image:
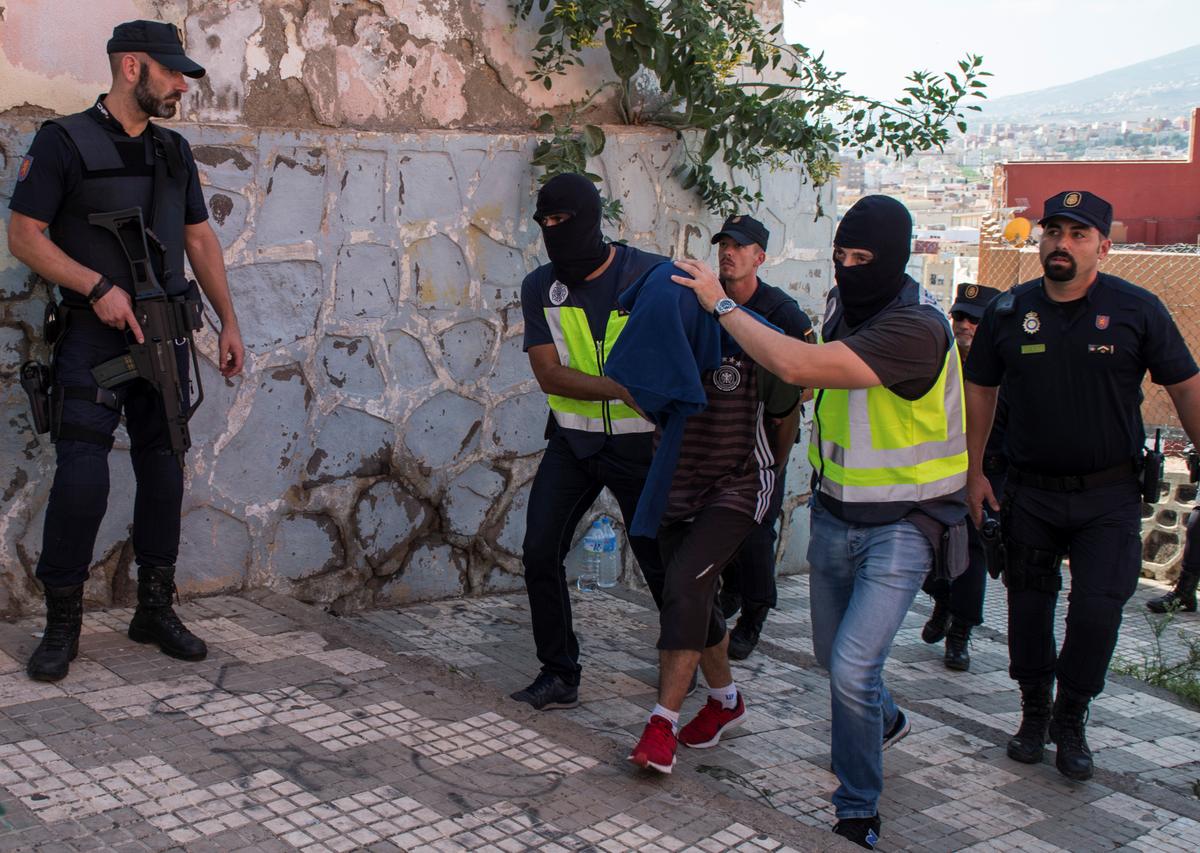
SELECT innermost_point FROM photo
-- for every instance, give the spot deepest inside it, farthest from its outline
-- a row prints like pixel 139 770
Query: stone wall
pixel 380 444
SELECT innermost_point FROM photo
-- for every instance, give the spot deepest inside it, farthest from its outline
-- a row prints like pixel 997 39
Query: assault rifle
pixel 166 323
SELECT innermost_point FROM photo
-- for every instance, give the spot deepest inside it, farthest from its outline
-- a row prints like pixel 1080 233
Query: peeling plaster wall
pixel 379 447
pixel 364 64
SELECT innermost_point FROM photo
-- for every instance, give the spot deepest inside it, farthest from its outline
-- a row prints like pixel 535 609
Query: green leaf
pixel 593 140
pixel 710 145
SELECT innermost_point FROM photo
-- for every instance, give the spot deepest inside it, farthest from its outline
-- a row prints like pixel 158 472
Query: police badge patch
pixel 1031 324
pixel 558 293
pixel 23 170
pixel 1102 322
pixel 727 377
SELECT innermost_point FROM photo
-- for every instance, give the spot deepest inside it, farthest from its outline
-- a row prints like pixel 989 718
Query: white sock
pixel 666 714
pixel 727 695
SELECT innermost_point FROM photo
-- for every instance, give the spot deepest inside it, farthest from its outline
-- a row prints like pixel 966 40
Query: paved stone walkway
pixel 390 731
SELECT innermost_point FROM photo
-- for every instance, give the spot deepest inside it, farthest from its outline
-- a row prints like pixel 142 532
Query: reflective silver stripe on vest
pixel 617 426
pixel 895 493
pixel 560 341
pixel 866 456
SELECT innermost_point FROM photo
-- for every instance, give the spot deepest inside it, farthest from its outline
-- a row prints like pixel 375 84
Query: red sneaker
pixel 657 747
pixel 713 721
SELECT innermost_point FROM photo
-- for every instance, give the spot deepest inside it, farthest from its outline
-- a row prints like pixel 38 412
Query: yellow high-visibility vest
pixel 579 350
pixel 871 446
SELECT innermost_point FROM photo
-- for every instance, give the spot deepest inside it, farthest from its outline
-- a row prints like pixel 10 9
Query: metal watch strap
pixel 724 302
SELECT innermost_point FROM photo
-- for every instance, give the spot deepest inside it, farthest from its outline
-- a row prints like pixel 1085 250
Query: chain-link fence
pixel 1170 272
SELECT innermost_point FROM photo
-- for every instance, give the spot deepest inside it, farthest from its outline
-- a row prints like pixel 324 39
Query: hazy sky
pixel 1026 44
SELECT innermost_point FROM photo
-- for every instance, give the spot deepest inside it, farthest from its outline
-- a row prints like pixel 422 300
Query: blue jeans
pixel 864 577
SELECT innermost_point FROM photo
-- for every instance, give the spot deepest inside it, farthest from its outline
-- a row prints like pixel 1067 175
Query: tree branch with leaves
pixel 752 103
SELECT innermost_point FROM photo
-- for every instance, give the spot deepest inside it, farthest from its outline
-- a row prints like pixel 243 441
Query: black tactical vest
pixel 118 172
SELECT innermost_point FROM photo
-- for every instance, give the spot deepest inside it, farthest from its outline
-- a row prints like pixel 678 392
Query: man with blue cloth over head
pixel 889 459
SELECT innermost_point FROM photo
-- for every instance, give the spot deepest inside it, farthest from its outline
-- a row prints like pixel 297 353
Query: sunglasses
pixel 959 316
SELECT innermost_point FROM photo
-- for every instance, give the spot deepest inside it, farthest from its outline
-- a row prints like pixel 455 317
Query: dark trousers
pixel 79 494
pixel 751 572
pixel 1191 546
pixel 964 595
pixel 563 489
pixel 1099 530
pixel 694 553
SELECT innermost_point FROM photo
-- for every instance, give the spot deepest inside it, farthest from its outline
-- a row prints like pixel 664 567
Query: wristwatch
pixel 724 306
pixel 98 290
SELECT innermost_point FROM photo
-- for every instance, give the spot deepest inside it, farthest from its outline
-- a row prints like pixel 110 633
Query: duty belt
pixel 1077 483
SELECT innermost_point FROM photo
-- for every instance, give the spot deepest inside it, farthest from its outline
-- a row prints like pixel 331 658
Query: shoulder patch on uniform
pixel 23 169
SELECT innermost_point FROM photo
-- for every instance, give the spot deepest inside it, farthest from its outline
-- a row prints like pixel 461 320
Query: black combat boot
pixel 155 621
pixel 935 628
pixel 1074 758
pixel 1182 597
pixel 744 636
pixel 956 656
pixel 51 660
pixel 1028 744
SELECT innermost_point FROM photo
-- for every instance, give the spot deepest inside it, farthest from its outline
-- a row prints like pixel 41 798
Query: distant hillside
pixel 1163 87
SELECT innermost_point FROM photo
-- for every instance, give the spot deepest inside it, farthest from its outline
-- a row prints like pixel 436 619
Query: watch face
pixel 724 306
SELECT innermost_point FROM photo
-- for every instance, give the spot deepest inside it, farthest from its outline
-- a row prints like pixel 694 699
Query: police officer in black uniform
pixel 106 159
pixel 1072 348
pixel 748 580
pixel 958 604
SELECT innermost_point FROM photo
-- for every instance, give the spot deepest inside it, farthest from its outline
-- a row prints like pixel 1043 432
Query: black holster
pixel 36 380
pixel 1027 568
pixel 991 534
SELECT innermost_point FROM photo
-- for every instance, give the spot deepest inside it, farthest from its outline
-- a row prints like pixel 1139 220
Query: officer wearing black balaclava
pixel 888 452
pixel 881 226
pixel 596 438
pixel 575 245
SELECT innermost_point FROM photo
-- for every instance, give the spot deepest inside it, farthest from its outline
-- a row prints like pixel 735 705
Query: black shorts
pixel 694 552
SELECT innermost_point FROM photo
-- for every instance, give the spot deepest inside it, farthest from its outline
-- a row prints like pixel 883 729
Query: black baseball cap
pixel 163 42
pixel 1082 206
pixel 971 299
pixel 744 229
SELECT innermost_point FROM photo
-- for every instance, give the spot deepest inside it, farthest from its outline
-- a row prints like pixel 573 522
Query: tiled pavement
pixel 390 731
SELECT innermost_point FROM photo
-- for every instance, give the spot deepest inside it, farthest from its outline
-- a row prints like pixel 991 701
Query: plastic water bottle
pixel 593 556
pixel 610 562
